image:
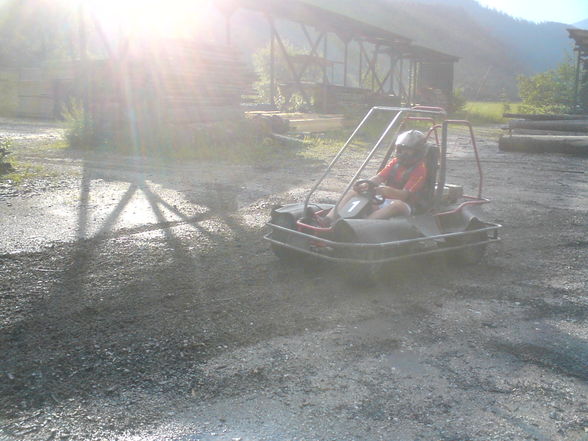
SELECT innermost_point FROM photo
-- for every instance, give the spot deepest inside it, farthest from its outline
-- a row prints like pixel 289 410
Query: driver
pixel 398 182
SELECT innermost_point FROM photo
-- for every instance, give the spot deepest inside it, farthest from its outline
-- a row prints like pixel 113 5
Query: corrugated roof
pixel 580 36
pixel 346 27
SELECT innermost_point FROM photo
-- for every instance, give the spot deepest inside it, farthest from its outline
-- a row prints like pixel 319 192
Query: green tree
pixel 285 99
pixel 549 92
pixel 35 31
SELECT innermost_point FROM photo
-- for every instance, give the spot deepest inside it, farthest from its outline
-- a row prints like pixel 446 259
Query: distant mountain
pixel 581 24
pixel 494 48
pixel 539 47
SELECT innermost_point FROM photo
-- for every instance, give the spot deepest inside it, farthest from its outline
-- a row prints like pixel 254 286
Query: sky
pixel 562 11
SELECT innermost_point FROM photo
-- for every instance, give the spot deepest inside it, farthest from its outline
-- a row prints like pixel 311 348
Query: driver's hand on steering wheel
pixel 361 187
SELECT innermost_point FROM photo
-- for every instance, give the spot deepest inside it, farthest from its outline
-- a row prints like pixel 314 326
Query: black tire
pixel 364 274
pixel 469 255
pixel 283 253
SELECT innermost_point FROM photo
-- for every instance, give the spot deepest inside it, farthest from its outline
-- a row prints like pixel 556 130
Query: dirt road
pixel 139 302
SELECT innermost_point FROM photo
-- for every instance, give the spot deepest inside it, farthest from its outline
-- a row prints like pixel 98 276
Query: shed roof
pixel 580 36
pixel 346 27
pixel 419 53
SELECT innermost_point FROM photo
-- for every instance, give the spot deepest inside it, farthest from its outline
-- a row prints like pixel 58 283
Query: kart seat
pixel 424 197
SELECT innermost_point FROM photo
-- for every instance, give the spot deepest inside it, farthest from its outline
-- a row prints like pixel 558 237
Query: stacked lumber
pixel 178 82
pixel 332 99
pixel 42 92
pixel 546 133
pixel 574 145
pixel 567 125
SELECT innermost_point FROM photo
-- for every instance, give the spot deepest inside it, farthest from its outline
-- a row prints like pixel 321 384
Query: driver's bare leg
pixel 394 208
pixel 332 215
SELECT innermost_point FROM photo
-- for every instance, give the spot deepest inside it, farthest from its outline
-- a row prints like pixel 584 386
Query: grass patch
pixel 320 148
pixel 487 112
pixel 5 164
pixel 57 145
pixel 22 172
pixel 238 141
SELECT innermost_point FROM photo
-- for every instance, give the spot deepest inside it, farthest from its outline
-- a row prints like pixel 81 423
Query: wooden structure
pixel 175 82
pixel 390 69
pixel 580 37
pixel 38 92
pixel 152 86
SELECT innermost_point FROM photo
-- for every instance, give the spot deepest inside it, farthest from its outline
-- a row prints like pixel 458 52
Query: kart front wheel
pixel 281 252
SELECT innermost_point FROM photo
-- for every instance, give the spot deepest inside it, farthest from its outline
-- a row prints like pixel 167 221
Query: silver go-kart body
pixel 447 222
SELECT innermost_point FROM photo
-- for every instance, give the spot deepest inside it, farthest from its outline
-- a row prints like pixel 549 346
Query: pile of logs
pixel 178 82
pixel 546 133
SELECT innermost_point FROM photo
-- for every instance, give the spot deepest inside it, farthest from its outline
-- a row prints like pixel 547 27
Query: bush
pixel 290 101
pixel 549 92
pixel 5 166
pixel 80 130
pixel 458 101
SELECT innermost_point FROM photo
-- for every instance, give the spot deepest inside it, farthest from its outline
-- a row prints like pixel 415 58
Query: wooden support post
pixel 345 59
pixel 84 68
pixel 577 81
pixel 360 80
pixel 272 65
pixel 325 104
pixel 411 89
pixel 401 89
pixel 325 57
pixel 374 66
pixel 391 74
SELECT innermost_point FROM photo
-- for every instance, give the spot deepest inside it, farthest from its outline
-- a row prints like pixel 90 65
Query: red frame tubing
pixel 475 146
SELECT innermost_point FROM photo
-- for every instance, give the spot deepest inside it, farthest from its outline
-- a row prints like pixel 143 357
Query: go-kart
pixel 445 221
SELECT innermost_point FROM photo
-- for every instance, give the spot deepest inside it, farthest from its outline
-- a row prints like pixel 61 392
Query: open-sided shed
pixel 386 64
pixel 187 82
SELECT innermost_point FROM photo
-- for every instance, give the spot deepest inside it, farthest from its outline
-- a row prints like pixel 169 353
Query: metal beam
pixel 372 61
pixel 288 60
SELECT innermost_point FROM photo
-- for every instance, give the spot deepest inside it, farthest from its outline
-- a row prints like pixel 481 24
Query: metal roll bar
pixel 400 111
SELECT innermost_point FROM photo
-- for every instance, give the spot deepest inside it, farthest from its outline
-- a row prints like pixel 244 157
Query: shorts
pixel 389 201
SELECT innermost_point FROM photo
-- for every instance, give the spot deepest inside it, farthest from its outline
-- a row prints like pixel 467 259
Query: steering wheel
pixel 370 192
pixel 370 184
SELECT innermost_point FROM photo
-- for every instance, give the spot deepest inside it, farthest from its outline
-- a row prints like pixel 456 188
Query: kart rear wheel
pixel 364 274
pixel 469 255
pixel 283 253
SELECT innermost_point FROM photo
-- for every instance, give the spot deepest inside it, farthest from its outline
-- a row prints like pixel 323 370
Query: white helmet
pixel 410 145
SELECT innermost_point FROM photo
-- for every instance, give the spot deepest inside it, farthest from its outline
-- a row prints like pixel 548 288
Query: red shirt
pixel 415 181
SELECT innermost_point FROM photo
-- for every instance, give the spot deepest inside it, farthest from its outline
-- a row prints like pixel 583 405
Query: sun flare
pixel 172 18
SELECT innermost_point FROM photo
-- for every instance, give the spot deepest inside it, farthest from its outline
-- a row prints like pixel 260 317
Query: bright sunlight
pixel 172 18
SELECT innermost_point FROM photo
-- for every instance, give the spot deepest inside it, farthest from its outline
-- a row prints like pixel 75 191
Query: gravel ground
pixel 139 302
